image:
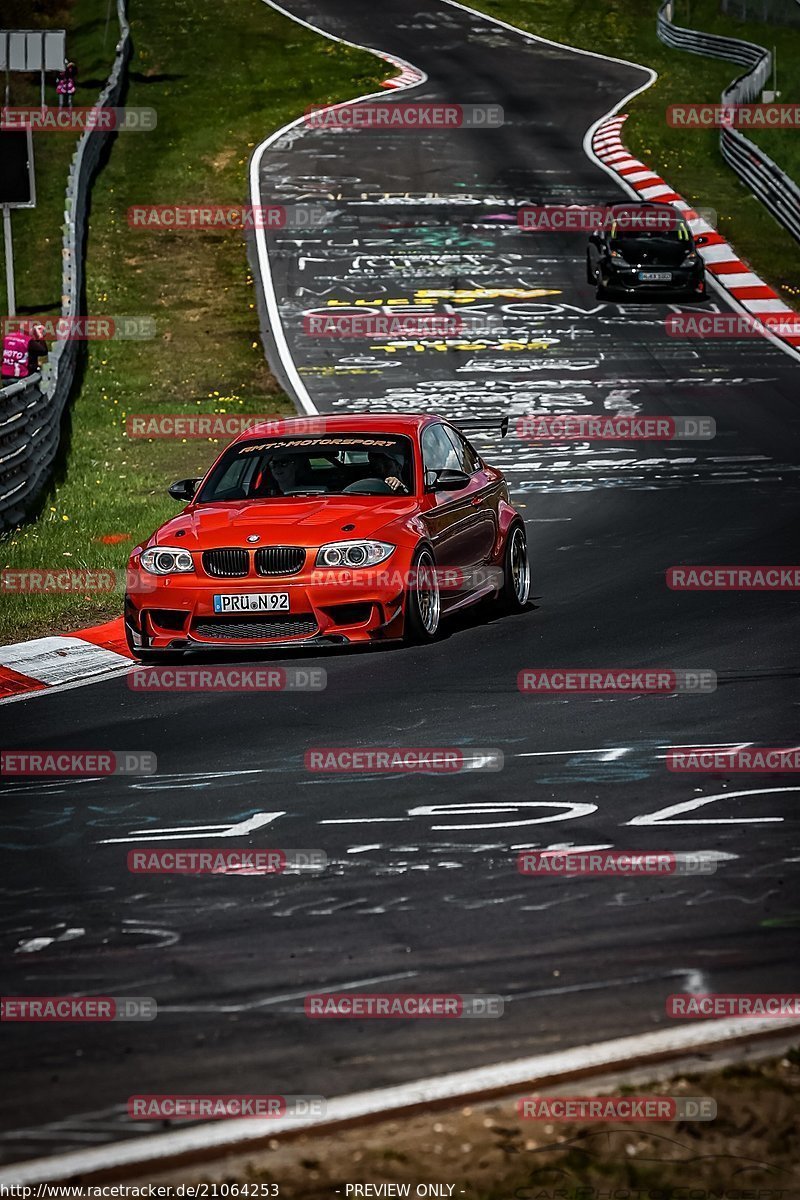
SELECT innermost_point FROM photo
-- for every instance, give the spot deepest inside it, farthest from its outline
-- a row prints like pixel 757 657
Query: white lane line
pixel 695 983
pixel 265 1003
pixel 362 820
pixel 34 944
pixel 554 753
pixel 276 324
pixel 663 815
pixel 554 846
pixel 196 831
pixel 155 1152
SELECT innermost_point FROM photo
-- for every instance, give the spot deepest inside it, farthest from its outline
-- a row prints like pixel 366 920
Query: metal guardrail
pixel 31 409
pixel 779 194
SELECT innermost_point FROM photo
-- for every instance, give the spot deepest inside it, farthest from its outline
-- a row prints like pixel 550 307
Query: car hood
pixel 297 522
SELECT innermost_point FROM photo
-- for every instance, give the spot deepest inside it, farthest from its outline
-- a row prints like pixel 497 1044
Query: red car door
pixel 448 516
pixel 484 491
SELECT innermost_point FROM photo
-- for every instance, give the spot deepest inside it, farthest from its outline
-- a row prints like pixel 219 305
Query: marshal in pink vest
pixel 15 355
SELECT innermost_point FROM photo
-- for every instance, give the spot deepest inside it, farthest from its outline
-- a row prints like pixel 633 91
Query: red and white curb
pixel 409 75
pixel 722 262
pixel 53 662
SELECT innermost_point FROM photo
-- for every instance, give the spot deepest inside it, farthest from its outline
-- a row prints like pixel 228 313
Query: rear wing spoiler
pixel 483 425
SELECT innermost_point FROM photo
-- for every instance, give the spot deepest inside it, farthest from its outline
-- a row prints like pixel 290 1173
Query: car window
pixel 649 226
pixel 438 452
pixel 329 464
pixel 467 457
pixel 236 476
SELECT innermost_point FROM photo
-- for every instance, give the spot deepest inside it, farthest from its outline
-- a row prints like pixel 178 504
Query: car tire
pixel 591 274
pixel 515 593
pixel 423 603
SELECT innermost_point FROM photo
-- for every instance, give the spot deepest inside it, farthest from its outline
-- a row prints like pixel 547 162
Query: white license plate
pixel 655 276
pixel 252 602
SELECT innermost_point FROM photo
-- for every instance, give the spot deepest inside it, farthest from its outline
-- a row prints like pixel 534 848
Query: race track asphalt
pixel 437 905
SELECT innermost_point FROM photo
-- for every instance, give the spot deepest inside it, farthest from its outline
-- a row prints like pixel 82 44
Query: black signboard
pixel 16 168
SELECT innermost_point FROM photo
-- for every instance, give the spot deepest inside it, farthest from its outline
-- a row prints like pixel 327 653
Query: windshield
pixel 335 464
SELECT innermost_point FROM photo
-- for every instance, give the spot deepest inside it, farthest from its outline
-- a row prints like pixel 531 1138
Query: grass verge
pixel 221 77
pixel 689 160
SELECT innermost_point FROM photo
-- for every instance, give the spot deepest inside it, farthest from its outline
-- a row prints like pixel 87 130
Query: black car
pixel 645 248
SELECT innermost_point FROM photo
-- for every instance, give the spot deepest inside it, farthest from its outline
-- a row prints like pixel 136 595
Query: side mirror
pixel 596 238
pixel 184 489
pixel 448 480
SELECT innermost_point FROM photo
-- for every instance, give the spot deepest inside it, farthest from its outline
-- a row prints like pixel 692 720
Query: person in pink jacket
pixel 65 85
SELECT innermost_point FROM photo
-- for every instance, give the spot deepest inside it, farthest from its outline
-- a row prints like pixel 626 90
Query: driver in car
pixel 387 468
pixel 284 468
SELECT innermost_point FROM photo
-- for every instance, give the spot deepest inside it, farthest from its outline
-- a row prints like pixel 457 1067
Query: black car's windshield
pixel 329 464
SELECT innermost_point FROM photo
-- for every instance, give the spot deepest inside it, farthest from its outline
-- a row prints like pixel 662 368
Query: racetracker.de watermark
pixel 728 578
pixel 77 1008
pixel 588 218
pixel 617 1108
pixel 733 116
pixel 69 120
pixel 77 762
pixel 192 861
pixel 628 863
pixel 227 679
pixel 414 759
pixel 361 323
pixel 401 1006
pixel 648 681
pixel 420 116
pixel 746 759
pixel 68 580
pixel 202 216
pixel 578 427
pixel 184 1107
pixel 198 425
pixel 97 328
pixel 449 579
pixel 733 1004
pixel 731 325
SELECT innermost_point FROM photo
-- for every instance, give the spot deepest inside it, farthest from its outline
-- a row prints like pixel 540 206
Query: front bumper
pixel 177 612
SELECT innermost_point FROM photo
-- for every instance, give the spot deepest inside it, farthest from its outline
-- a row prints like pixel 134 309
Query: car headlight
pixel 353 554
pixel 617 254
pixel 166 560
pixel 690 260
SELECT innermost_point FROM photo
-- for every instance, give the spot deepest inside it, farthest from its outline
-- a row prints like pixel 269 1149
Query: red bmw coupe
pixel 327 531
